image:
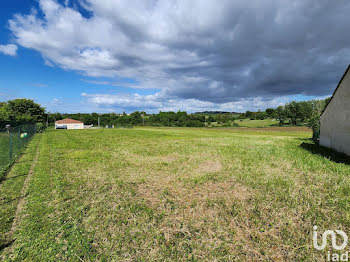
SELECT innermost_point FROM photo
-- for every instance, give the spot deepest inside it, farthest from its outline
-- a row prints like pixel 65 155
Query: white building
pixel 69 124
pixel 335 119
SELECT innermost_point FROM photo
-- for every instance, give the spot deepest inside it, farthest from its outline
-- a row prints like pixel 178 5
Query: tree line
pixel 307 113
pixel 293 113
pixel 179 119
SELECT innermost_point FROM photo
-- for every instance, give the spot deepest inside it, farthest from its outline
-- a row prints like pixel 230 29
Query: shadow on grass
pixel 5 245
pixel 14 199
pixel 305 139
pixel 7 178
pixel 326 152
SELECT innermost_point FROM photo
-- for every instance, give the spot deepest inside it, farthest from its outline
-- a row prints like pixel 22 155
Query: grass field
pixel 148 194
pixel 257 123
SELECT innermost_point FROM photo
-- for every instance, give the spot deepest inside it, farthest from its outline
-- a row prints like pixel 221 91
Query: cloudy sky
pixel 127 55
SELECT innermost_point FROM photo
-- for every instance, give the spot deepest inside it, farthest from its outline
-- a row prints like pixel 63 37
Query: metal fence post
pixel 19 139
pixel 11 146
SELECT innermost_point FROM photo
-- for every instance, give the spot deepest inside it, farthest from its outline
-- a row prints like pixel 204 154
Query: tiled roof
pixel 68 121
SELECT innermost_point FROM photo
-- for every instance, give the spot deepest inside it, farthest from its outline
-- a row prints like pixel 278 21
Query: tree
pixel 250 115
pixel 260 115
pixel 22 111
pixel 305 111
pixel 314 124
pixel 314 120
pixel 281 114
pixel 270 112
pixel 293 112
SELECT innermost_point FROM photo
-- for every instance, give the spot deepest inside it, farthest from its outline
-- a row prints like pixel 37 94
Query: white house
pixel 68 123
pixel 335 119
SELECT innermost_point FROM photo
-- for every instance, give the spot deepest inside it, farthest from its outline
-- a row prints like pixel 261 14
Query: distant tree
pixel 249 115
pixel 136 117
pixel 260 115
pixel 292 110
pixel 270 112
pixel 305 111
pixel 281 114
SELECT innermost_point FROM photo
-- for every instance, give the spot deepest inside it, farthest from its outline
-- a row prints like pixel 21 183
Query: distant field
pixel 176 194
pixel 257 123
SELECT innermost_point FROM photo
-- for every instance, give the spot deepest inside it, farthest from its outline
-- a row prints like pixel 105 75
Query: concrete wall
pixel 335 120
pixel 72 126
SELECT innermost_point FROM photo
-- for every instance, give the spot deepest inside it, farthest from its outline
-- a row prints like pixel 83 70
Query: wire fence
pixel 12 142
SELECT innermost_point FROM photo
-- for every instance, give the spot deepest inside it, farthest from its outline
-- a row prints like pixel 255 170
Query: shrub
pixel 40 127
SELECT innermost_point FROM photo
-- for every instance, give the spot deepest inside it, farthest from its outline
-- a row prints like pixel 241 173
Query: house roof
pixel 68 121
pixel 341 80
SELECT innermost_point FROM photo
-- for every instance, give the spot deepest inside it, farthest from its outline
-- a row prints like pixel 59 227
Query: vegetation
pixel 148 194
pixel 304 113
pixel 10 192
pixel 21 111
pixel 257 123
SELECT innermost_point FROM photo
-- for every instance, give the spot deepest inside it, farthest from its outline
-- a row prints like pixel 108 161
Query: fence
pixel 12 141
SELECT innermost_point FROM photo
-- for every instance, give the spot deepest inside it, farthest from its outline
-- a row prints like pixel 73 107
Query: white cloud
pixel 160 102
pixel 110 83
pixel 9 49
pixel 196 51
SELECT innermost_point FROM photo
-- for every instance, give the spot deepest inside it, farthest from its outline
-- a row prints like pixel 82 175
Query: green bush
pixel 40 127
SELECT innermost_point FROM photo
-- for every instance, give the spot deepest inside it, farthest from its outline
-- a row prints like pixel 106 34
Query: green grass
pixel 257 123
pixel 148 194
pixel 10 191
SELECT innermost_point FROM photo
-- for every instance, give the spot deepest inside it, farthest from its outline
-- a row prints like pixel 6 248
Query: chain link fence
pixel 12 141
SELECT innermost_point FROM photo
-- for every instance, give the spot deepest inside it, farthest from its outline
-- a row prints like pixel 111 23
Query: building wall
pixel 335 120
pixel 72 126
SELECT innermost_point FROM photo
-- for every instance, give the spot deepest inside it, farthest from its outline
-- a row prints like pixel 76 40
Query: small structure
pixel 68 123
pixel 335 118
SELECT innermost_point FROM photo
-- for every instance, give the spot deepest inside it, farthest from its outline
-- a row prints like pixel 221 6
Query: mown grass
pixel 10 191
pixel 148 194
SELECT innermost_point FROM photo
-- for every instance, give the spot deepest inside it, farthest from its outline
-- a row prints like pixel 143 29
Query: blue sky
pixel 27 76
pixel 105 56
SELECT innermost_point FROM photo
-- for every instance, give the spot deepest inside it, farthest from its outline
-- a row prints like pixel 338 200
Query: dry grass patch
pixel 210 166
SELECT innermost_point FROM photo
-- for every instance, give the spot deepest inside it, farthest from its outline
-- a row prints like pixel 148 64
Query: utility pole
pixel 98 121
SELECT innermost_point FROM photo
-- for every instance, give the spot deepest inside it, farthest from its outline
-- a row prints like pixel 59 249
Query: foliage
pixel 281 114
pixel 21 111
pixel 40 127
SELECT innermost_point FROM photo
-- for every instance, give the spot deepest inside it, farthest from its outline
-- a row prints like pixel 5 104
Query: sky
pixel 158 55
